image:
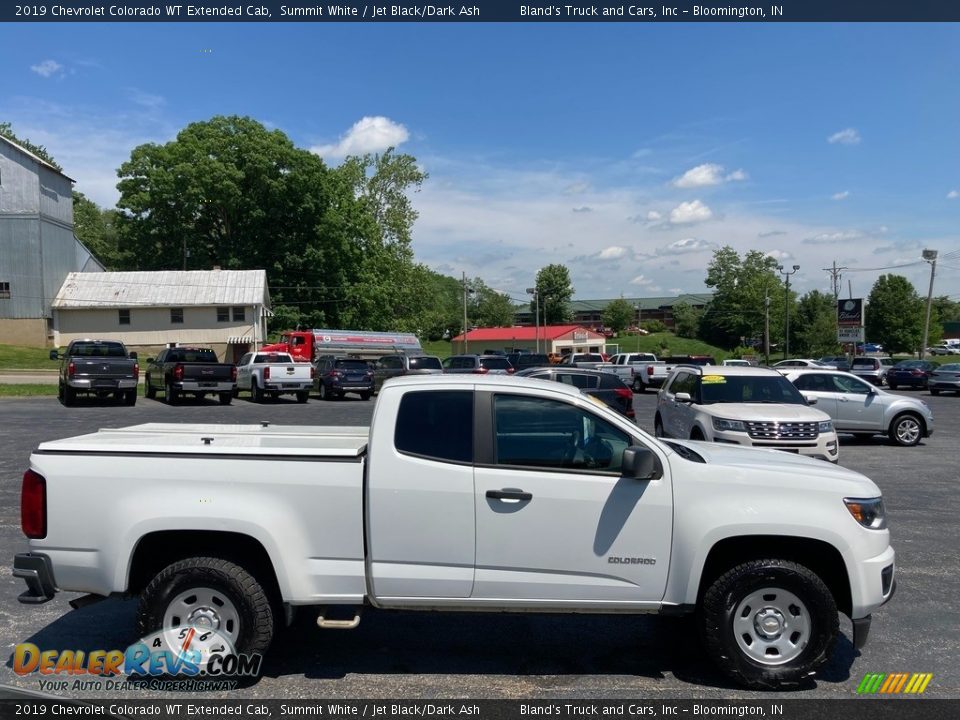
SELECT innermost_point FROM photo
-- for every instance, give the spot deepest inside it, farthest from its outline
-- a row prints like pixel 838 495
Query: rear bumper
pixel 200 386
pixel 288 387
pixel 37 571
pixel 102 385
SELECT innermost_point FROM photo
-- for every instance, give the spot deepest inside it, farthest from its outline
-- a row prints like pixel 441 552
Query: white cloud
pixel 47 68
pixel 690 212
pixel 654 216
pixel 779 255
pixel 368 135
pixel 840 195
pixel 686 245
pixel 577 188
pixel 953 195
pixel 834 237
pixel 641 280
pixel 849 136
pixel 706 175
pixel 614 252
pixel 584 209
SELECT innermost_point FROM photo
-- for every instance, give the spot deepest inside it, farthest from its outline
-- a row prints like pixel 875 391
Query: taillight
pixel 136 371
pixel 178 372
pixel 71 369
pixel 266 373
pixel 917 372
pixel 481 371
pixel 335 373
pixel 650 370
pixel 625 393
pixel 233 372
pixel 511 371
pixel 313 372
pixel 33 505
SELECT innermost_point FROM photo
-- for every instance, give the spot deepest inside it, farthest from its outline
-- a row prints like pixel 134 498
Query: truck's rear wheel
pixel 225 398
pixel 256 394
pixel 170 394
pixel 149 390
pixel 769 623
pixel 303 396
pixel 209 593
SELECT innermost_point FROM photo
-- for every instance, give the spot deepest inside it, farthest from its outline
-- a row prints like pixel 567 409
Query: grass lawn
pixel 27 390
pixel 13 357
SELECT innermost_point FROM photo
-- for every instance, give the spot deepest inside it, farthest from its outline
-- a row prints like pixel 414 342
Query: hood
pixel 776 467
pixel 765 412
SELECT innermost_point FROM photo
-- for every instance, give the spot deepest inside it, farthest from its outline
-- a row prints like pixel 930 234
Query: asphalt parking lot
pixel 424 655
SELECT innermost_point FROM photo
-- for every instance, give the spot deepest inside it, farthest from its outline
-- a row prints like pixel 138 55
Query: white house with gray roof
pixel 223 309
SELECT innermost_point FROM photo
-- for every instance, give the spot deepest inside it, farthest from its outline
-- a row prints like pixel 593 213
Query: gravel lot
pixel 422 655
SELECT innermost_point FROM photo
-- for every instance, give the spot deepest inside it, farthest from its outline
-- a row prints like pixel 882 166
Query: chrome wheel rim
pixel 908 431
pixel 772 626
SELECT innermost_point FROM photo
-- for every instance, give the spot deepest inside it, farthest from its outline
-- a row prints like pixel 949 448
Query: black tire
pixel 231 582
pixel 69 396
pixel 256 394
pixel 934 391
pixel 658 427
pixel 365 395
pixel 326 394
pixel 130 397
pixel 730 623
pixel 149 390
pixel 638 385
pixel 906 429
pixel 697 434
pixel 225 398
pixel 303 396
pixel 892 386
pixel 170 394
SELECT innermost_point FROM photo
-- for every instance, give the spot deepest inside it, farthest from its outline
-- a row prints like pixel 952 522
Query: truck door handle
pixel 509 495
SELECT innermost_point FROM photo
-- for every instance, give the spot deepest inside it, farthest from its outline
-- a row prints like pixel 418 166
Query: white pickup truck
pixel 645 370
pixel 271 374
pixel 466 494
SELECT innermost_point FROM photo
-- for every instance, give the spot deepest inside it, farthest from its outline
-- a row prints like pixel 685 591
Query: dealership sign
pixel 850 312
pixel 849 334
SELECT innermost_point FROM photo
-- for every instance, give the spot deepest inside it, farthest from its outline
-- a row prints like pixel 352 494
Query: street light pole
pixel 931 257
pixel 639 310
pixel 787 274
pixel 536 299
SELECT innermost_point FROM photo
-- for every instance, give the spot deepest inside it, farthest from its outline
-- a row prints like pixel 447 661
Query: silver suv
pixel 860 408
pixel 872 369
pixel 756 407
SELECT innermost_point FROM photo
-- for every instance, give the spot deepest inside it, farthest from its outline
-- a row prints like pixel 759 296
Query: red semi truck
pixel 307 345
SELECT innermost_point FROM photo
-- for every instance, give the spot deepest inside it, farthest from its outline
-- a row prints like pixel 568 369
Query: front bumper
pixel 822 447
pixel 37 571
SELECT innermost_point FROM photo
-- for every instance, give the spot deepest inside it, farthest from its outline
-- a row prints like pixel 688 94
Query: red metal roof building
pixel 552 338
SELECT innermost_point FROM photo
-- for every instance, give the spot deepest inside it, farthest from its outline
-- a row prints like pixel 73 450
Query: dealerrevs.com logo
pixel 894 683
pixel 181 653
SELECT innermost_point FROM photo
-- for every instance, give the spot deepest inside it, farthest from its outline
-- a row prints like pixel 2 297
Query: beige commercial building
pixel 226 310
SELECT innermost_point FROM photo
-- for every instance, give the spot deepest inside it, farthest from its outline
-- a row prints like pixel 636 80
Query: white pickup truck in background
pixel 271 374
pixel 646 370
pixel 467 493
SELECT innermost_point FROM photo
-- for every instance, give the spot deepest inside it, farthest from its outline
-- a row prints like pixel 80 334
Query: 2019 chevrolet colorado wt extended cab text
pixel 467 493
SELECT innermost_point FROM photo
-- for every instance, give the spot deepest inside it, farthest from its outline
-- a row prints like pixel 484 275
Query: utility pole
pixel 536 316
pixel 766 330
pixel 931 257
pixel 835 276
pixel 466 328
pixel 639 314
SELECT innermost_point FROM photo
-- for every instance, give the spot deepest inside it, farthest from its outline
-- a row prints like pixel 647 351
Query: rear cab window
pixel 495 363
pixel 425 363
pixel 436 424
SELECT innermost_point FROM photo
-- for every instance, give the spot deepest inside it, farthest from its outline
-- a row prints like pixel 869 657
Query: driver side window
pixel 849 385
pixel 553 435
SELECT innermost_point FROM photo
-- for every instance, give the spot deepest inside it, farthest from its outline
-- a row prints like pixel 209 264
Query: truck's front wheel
pixel 209 593
pixel 769 623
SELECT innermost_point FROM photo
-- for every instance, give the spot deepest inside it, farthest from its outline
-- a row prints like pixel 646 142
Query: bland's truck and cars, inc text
pixel 466 494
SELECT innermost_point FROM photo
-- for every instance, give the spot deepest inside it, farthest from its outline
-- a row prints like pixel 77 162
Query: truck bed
pixel 254 440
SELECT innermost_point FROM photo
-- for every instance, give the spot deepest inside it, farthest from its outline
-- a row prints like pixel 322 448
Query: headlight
pixel 736 425
pixel 867 511
pixel 825 426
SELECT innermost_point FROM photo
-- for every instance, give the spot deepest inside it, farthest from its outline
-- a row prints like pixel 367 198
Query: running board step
pixel 330 624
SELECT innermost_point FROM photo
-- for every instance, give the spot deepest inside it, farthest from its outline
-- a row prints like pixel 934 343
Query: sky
pixel 626 152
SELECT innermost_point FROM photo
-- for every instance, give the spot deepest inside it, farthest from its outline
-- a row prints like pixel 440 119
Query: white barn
pixel 226 310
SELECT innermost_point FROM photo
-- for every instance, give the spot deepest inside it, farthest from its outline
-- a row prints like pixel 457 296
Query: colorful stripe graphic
pixel 894 683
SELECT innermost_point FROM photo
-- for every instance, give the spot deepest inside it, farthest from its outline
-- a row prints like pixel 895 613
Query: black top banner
pixel 776 11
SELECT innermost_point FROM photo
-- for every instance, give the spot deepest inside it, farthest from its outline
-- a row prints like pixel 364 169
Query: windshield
pixel 495 363
pixel 864 362
pixel 748 389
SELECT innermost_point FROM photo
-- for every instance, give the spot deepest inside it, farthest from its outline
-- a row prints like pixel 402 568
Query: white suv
pixel 757 407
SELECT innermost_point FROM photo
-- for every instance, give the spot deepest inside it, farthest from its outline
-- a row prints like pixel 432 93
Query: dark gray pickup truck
pixel 179 371
pixel 97 367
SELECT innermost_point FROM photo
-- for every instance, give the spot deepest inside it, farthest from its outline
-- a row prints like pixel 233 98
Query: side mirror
pixel 811 399
pixel 149 360
pixel 133 355
pixel 640 463
pixel 54 355
pixel 683 397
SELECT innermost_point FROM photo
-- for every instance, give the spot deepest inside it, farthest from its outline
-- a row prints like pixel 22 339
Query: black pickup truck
pixel 188 370
pixel 97 367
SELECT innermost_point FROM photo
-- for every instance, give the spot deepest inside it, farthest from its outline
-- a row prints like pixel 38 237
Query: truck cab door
pixel 420 494
pixel 556 522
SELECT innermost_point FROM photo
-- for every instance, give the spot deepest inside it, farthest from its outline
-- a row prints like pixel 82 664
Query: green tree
pixel 494 309
pixel 895 314
pixel 618 315
pixel 95 227
pixel 814 331
pixel 6 130
pixel 686 320
pixel 555 291
pixel 737 308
